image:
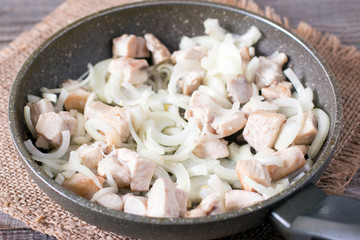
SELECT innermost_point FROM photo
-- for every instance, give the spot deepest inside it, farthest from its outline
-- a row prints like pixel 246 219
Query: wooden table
pixel 339 17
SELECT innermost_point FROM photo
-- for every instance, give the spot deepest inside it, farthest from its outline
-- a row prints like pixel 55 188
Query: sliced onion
pixel 181 70
pixel 218 185
pixel 291 129
pixel 82 169
pixel 58 153
pixel 182 176
pixel 323 129
pixel 251 69
pixel 289 73
pixel 266 192
pixel 28 121
pixel 225 173
pixel 213 29
pixel 33 98
pixel 59 178
pixel 159 172
pixel 50 96
pixel 249 38
pixel 103 191
pixel 61 100
pixel 238 153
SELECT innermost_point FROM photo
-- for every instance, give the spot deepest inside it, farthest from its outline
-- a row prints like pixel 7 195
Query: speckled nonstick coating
pixel 67 53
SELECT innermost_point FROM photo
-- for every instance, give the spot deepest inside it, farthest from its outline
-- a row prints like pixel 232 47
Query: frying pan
pixel 298 211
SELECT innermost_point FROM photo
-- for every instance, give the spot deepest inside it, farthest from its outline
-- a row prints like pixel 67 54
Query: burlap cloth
pixel 21 197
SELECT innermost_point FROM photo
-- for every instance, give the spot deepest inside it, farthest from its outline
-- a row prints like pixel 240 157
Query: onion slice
pixel 58 153
pixel 323 129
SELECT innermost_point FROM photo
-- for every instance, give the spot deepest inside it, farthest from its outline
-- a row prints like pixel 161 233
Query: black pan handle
pixel 312 214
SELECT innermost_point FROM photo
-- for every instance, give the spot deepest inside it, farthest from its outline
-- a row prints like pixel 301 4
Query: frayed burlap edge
pixel 22 198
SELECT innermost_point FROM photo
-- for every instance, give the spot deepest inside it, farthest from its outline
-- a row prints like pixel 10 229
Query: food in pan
pixel 207 129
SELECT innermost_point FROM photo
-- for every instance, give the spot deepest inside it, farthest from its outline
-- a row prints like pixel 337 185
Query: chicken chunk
pixel 51 124
pixel 308 131
pixel 204 108
pixel 114 116
pixel 245 54
pixel 210 205
pixel 239 90
pixel 136 205
pixel 132 70
pixel 119 171
pixel 293 159
pixel 159 52
pixel 253 169
pixel 91 155
pixel 262 129
pixel 211 147
pixel 201 107
pixel 277 90
pixel 270 70
pixel 190 82
pixel 130 46
pixel 76 100
pixel 141 170
pixel 195 53
pixel 82 185
pixel 42 142
pixel 111 200
pixel 164 199
pixel 237 199
pixel 228 124
pixel 39 107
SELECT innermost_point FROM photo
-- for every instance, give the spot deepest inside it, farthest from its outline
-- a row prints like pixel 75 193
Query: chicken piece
pixel 277 90
pixel 111 200
pixel 97 109
pixel 39 107
pixel 51 124
pixel 195 53
pixel 239 90
pixel 130 46
pixel 245 54
pixel 190 82
pixel 270 70
pixel 237 199
pixel 82 185
pixel 183 200
pixel 76 100
pixel 308 131
pixel 159 52
pixel 206 110
pixel 262 129
pixel 141 170
pixel 114 116
pixel 211 147
pixel 253 169
pixel 136 205
pixel 132 70
pixel 42 142
pixel 225 125
pixel 194 213
pixel 91 155
pixel 210 205
pixel 293 159
pixel 201 107
pixel 119 171
pixel 163 200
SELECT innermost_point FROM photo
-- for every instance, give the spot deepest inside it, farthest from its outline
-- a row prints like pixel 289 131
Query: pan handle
pixel 312 214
